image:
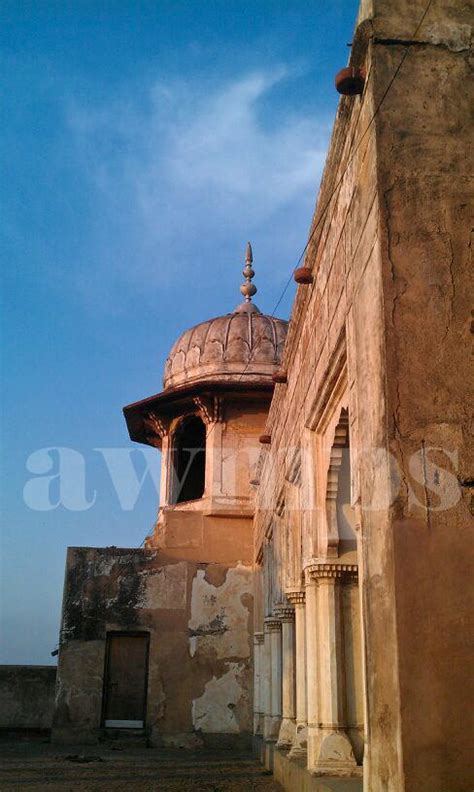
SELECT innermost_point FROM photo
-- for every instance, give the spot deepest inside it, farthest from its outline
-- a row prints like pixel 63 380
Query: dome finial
pixel 248 289
pixel 248 253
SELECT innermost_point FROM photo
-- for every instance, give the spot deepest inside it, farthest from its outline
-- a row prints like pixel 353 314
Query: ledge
pixel 292 774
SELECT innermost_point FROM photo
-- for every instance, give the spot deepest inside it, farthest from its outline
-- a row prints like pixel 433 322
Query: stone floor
pixel 40 766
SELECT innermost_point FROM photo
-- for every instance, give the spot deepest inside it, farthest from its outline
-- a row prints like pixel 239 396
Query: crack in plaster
pixel 461 46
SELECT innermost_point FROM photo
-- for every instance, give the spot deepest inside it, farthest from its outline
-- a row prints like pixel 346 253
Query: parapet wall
pixel 26 696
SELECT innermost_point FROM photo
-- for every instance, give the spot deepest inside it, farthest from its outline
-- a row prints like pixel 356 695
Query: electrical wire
pixel 327 204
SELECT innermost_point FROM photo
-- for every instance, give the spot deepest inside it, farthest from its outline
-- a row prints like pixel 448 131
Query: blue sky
pixel 143 143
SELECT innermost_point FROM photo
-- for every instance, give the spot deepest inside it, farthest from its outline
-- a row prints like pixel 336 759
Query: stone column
pixel 288 704
pixel 329 748
pixel 273 725
pixel 266 681
pixel 298 748
pixel 258 698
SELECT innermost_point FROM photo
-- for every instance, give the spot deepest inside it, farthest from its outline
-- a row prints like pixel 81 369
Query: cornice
pixel 325 571
pixel 272 624
pixel 285 613
pixel 296 597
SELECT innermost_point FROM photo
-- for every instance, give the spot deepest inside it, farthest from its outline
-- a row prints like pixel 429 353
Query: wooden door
pixel 125 680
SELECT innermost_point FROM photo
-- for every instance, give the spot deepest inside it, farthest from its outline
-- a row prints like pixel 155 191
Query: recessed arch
pixel 188 460
pixel 339 515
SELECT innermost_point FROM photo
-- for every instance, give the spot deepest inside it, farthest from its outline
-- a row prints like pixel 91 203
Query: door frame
pixel 123 634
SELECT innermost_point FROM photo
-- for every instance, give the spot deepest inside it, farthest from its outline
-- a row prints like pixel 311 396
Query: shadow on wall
pixel 26 697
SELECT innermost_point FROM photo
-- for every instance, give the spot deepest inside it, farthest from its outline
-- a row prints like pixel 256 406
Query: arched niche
pixel 188 460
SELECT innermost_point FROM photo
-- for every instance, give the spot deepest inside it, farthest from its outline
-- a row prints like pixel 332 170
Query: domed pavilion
pixel 207 420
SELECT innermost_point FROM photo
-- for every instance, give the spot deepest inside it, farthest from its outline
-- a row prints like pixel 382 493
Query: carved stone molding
pixel 296 597
pixel 269 532
pixel 323 571
pixel 259 637
pixel 341 442
pixel 210 407
pixel 285 613
pixel 272 624
pixel 280 503
pixel 334 381
pixel 257 474
pixel 339 447
pixel 293 469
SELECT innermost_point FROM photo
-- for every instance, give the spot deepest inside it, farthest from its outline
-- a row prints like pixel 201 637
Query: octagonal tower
pixel 159 639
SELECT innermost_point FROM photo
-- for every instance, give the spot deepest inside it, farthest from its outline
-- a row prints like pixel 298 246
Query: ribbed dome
pixel 245 345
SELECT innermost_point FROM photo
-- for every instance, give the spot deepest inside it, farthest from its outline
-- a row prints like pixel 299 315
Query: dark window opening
pixel 189 460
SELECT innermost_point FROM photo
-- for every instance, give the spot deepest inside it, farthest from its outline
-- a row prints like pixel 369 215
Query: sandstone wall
pixel 424 136
pixel 383 330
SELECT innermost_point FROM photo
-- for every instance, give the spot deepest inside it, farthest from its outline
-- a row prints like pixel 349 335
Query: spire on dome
pixel 248 290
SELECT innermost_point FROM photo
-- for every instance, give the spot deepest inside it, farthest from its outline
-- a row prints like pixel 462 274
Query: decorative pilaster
pixel 311 662
pixel 157 435
pixel 297 599
pixel 266 681
pixel 258 698
pixel 329 748
pixel 211 409
pixel 165 466
pixel 287 732
pixel 272 725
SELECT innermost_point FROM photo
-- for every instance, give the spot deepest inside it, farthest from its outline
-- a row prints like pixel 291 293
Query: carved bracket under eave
pixel 156 428
pixel 210 407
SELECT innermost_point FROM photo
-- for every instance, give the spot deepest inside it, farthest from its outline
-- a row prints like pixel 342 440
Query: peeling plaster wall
pixel 219 632
pixel 165 588
pixel 190 588
pixel 219 707
pixel 219 613
pixel 199 618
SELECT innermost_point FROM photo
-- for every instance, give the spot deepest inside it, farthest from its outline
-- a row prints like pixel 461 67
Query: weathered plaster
pixel 166 587
pixel 219 616
pixel 391 259
pixel 217 709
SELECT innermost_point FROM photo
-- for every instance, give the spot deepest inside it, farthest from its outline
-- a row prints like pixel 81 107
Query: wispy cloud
pixel 194 167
